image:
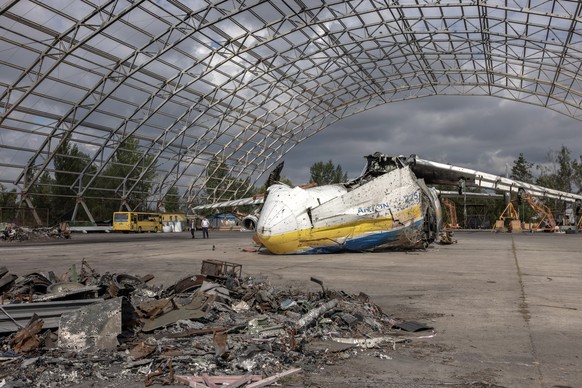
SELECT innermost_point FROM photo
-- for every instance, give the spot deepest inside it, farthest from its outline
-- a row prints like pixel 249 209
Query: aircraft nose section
pixel 276 219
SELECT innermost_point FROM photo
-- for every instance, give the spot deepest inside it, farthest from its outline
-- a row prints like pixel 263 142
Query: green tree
pixel 41 196
pixel 172 200
pixel 327 173
pixel 121 174
pixel 68 162
pixel 521 170
pixel 577 175
pixel 558 172
pixel 7 198
pixel 221 185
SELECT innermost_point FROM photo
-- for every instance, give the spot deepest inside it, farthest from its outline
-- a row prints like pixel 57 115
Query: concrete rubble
pixel 211 329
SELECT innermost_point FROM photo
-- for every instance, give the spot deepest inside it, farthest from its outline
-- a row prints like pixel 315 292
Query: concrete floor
pixel 506 307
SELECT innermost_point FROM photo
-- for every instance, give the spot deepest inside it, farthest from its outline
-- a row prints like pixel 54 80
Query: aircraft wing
pixel 446 174
pixel 257 200
pixel 455 194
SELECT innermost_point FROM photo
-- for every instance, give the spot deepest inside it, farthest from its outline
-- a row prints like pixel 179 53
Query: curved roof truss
pixel 246 81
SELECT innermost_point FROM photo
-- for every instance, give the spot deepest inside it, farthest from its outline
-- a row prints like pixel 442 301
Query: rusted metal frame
pixel 191 185
pixel 201 150
pixel 40 79
pixel 266 165
pixel 8 6
pixel 50 312
pixel 367 78
pixel 253 134
pixel 113 133
pixel 486 43
pixel 404 25
pixel 218 65
pixel 565 49
pixel 121 63
pixel 81 201
pixel 149 100
pixel 257 155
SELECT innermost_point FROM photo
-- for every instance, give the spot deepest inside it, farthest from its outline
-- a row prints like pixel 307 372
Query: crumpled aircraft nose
pixel 277 218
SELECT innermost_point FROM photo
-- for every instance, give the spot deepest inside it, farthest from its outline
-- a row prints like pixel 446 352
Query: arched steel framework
pixel 246 81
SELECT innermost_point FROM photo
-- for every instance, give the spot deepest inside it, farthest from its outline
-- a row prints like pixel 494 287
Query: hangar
pixel 127 102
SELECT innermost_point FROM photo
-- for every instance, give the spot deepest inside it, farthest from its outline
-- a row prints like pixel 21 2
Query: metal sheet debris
pixel 26 339
pixel 15 316
pixel 95 327
pixel 195 309
pixel 412 326
pixel 197 331
pixel 15 233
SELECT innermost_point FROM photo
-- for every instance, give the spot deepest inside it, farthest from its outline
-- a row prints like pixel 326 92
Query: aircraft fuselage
pixel 393 209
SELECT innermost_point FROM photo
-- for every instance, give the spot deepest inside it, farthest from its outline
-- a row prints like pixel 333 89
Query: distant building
pixel 224 222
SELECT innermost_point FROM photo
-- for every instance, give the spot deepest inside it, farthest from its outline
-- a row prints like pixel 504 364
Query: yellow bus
pixel 136 222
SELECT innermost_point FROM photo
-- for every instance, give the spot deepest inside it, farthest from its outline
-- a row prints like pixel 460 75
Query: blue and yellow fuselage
pixel 387 211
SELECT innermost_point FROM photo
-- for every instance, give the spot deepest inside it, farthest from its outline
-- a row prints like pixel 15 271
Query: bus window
pixel 120 217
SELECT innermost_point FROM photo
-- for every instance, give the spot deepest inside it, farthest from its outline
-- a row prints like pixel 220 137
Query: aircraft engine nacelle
pixel 250 222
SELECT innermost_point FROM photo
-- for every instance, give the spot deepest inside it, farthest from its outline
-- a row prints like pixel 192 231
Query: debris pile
pixel 207 329
pixel 14 233
pixel 446 237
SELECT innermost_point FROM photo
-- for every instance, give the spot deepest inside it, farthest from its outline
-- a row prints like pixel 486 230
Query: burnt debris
pixel 16 233
pixel 212 328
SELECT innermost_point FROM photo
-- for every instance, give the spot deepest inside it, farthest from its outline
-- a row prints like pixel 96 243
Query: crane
pixel 452 211
pixel 547 218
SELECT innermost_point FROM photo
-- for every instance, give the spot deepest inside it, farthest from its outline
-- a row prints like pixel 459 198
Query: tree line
pixel 53 191
pixel 221 185
pixel 559 171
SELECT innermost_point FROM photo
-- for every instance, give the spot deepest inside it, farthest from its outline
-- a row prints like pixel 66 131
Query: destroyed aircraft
pixel 215 327
pixel 389 206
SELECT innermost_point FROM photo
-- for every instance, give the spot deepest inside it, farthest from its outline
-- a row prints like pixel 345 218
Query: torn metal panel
pixel 230 381
pixel 411 326
pixel 26 339
pixel 87 292
pixel 7 280
pixel 210 288
pixel 188 283
pixel 15 316
pixel 156 307
pixel 95 327
pixel 196 309
pixel 143 349
pixel 370 342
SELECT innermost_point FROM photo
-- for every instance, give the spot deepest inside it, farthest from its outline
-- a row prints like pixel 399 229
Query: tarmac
pixel 505 307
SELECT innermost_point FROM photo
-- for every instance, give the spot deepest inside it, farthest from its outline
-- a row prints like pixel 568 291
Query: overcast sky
pixel 482 133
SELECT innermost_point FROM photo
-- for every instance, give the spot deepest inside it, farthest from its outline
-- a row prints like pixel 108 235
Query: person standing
pixel 193 228
pixel 205 224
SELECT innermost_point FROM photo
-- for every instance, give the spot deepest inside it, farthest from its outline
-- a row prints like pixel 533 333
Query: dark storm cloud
pixel 482 133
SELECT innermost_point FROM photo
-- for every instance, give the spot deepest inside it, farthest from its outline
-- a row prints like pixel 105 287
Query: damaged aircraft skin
pixel 389 206
pixel 386 207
